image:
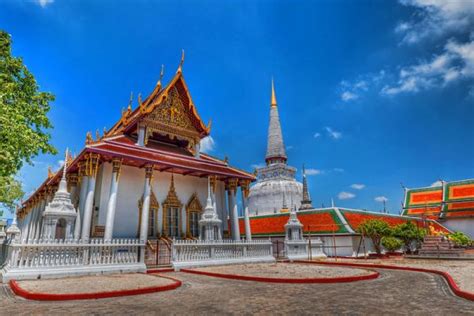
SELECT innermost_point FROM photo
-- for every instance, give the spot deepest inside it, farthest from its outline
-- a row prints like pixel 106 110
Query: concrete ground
pixel 394 293
pixel 462 271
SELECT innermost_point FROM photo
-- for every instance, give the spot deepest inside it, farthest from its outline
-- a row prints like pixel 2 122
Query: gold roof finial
pixel 180 68
pixel 274 100
pixel 89 139
pixel 130 102
pixel 50 172
pixel 97 135
pixel 104 131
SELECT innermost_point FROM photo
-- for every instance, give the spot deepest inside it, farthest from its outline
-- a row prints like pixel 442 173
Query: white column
pixel 80 208
pixel 183 222
pixel 145 209
pixel 92 165
pixel 235 215
pixel 34 215
pixel 245 193
pixel 229 216
pixel 141 136
pixel 109 224
pixel 39 216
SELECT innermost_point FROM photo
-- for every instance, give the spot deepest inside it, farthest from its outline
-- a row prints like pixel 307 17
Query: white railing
pixel 35 257
pixel 197 252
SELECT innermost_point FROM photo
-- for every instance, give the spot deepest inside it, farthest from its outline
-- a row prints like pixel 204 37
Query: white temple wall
pixel 465 225
pixel 130 190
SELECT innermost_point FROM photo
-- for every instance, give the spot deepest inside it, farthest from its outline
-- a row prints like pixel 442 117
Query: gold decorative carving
pixel 92 164
pixel 116 167
pixel 245 187
pixel 171 200
pixel 233 184
pixel 89 139
pixel 193 206
pixel 50 172
pixel 172 118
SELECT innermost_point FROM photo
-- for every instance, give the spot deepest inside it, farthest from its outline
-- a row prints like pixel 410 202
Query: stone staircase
pixel 438 246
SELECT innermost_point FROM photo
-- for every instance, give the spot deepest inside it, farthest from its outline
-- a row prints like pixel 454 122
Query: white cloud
pixel 456 62
pixel 437 183
pixel 380 199
pixel 346 195
pixel 340 170
pixel 208 144
pixel 317 135
pixel 289 147
pixel 351 91
pixel 434 18
pixel 348 96
pixel 44 3
pixel 358 186
pixel 334 134
pixel 312 172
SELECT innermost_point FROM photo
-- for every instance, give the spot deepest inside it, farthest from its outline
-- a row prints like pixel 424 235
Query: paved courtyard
pixel 394 293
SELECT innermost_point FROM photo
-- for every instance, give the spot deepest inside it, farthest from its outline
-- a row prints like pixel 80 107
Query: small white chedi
pixel 60 214
pixel 296 247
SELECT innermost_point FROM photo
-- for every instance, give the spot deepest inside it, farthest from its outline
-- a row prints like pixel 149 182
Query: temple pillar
pixel 34 216
pixel 111 204
pixel 245 186
pixel 30 218
pixel 229 214
pixel 145 209
pixel 92 165
pixel 84 182
pixel 233 183
pixel 184 223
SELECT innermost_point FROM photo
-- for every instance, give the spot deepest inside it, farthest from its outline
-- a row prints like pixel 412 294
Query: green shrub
pixel 460 239
pixel 391 243
pixel 408 233
pixel 375 229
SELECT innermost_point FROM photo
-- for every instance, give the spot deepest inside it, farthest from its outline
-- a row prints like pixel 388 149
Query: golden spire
pixel 180 68
pixel 274 100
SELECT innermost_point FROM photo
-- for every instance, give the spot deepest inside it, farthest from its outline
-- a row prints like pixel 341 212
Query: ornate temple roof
pixel 453 199
pixel 275 146
pixel 169 112
pixel 326 221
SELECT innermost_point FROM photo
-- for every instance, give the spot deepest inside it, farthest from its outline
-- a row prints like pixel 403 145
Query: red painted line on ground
pixel 452 284
pixel 355 278
pixel 86 296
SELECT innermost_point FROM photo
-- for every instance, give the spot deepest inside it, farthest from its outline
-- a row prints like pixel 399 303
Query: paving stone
pixel 394 293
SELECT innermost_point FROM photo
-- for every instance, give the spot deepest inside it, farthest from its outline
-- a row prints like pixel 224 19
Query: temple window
pixel 60 229
pixel 171 211
pixel 193 211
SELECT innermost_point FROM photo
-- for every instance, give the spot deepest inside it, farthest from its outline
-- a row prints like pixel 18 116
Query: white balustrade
pixel 46 257
pixel 189 253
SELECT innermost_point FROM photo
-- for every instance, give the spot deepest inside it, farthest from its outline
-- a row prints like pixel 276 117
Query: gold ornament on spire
pixel 274 100
pixel 50 172
pixel 162 72
pixel 180 68
pixel 104 131
pixel 89 139
pixel 97 135
pixel 141 105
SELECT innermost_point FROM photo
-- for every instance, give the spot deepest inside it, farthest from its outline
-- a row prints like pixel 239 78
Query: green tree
pixel 409 232
pixel 23 120
pixel 375 229
pixel 391 243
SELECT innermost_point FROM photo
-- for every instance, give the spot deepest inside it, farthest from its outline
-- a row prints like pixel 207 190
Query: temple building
pixel 450 203
pixel 143 178
pixel 276 188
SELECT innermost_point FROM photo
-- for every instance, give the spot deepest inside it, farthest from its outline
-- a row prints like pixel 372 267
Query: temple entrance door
pixel 60 229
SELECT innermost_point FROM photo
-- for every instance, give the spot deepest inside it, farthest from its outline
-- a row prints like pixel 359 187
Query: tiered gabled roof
pixel 169 112
pixel 453 199
pixel 327 221
pixel 130 119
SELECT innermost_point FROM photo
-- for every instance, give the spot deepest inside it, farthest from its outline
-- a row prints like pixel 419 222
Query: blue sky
pixel 371 93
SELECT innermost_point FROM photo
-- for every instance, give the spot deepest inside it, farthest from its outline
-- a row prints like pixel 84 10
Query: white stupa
pixel 276 184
